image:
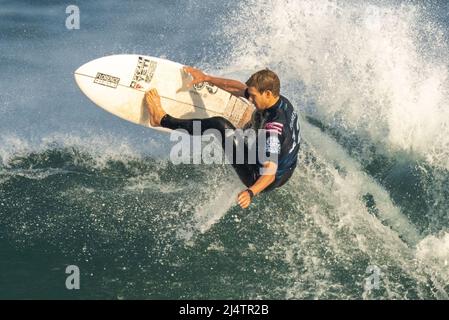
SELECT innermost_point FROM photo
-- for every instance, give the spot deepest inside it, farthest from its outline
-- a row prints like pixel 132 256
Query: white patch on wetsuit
pixel 273 144
pixel 293 119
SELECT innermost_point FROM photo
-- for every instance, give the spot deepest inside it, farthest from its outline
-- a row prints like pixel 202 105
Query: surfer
pixel 274 113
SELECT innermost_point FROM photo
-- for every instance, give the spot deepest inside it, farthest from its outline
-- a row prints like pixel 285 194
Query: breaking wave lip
pixel 93 150
pixel 360 67
pixel 387 211
pixel 32 174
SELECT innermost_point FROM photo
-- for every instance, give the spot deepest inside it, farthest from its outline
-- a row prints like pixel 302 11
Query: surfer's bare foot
pixel 153 102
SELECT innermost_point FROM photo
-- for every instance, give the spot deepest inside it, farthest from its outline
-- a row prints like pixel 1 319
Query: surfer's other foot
pixel 153 102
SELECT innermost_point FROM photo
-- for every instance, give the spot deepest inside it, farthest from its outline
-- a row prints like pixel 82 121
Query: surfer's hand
pixel 244 199
pixel 197 75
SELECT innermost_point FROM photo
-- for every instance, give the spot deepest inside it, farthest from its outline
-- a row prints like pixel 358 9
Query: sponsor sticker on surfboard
pixel 106 80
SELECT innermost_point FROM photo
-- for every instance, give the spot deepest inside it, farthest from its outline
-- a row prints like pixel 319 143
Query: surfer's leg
pixel 248 173
pixel 158 117
pixel 218 123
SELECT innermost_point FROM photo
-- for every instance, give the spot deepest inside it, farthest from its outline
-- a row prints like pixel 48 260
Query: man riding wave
pixel 274 114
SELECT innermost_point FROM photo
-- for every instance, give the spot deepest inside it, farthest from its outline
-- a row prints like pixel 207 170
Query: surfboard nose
pixel 85 69
pixel 79 70
pixel 80 74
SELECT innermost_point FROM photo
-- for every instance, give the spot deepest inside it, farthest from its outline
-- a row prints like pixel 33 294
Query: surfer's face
pixel 260 100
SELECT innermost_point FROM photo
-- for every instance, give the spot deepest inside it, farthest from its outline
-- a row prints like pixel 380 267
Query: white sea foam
pixel 361 66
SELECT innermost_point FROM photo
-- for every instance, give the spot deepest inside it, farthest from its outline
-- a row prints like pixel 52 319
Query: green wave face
pixel 140 228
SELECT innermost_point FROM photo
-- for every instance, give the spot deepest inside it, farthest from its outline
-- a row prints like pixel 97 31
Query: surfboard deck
pixel 118 83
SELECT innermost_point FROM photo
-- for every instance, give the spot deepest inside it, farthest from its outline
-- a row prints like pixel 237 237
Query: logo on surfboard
pixel 106 80
pixel 210 88
pixel 144 72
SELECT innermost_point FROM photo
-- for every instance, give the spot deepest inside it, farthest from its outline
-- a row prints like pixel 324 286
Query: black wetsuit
pixel 282 129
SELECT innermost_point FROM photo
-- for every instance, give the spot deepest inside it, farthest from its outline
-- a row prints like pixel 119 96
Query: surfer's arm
pixel 234 87
pixel 245 198
pixel 266 179
pixel 274 140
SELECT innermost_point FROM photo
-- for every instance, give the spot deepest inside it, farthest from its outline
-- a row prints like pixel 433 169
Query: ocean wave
pixel 363 69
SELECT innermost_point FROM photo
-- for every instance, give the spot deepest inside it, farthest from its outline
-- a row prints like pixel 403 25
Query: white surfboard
pixel 118 83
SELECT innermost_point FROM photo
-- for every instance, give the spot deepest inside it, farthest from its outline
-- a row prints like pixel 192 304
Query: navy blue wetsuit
pixel 282 141
pixel 281 123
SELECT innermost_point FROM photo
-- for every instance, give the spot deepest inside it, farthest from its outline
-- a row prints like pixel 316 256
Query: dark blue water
pixel 81 187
